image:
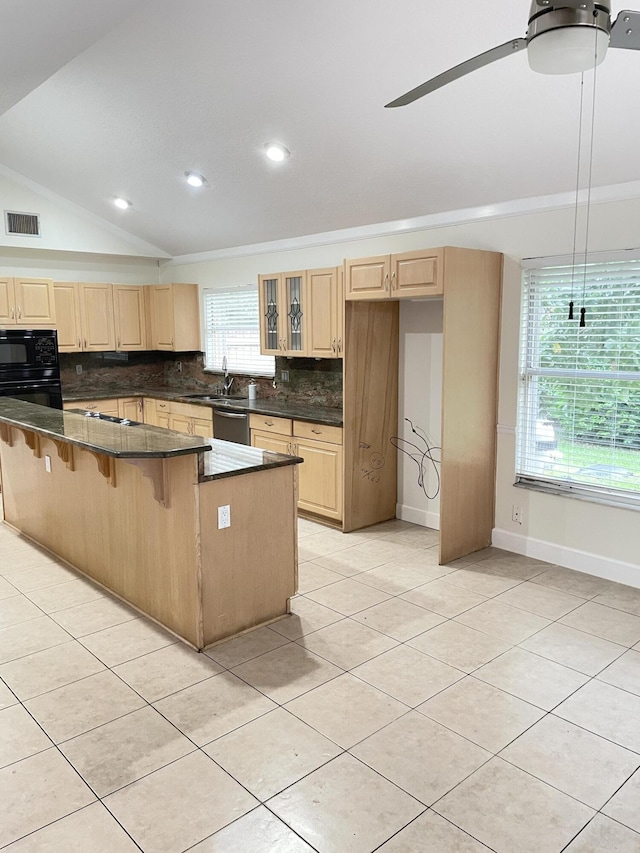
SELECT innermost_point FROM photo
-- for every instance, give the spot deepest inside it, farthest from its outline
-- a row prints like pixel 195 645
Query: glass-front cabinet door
pixel 282 308
pixel 295 302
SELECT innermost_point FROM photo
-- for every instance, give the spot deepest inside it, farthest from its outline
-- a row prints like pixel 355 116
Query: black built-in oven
pixel 30 367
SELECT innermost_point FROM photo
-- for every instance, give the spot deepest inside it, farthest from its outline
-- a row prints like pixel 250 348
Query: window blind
pixel 232 330
pixel 578 426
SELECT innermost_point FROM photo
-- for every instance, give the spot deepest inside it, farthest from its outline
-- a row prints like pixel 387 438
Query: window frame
pixel 530 369
pixel 263 365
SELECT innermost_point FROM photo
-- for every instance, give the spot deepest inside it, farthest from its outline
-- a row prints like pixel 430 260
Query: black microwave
pixel 29 366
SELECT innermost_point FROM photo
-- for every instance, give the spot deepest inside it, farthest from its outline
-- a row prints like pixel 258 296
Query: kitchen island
pixel 135 508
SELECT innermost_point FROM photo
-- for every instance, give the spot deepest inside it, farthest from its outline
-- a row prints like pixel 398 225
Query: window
pixel 232 329
pixel 578 426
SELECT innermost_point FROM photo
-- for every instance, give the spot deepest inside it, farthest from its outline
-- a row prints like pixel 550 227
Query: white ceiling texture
pixel 100 99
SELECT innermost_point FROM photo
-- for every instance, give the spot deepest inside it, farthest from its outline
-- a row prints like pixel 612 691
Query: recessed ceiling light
pixel 194 179
pixel 122 203
pixel 276 152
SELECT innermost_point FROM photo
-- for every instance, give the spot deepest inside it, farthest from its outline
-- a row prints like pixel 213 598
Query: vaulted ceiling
pixel 121 98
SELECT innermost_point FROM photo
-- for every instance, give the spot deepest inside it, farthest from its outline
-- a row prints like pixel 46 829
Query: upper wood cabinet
pixel 174 317
pixel 283 313
pixel 27 302
pixel 85 316
pixel 130 317
pixel 404 275
pixel 325 312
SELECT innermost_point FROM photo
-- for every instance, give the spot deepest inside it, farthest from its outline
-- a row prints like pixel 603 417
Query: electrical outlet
pixel 78 368
pixel 224 516
pixel 284 375
pixel 179 366
pixel 47 464
pixel 516 514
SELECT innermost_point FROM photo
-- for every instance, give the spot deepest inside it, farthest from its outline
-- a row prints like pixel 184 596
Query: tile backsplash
pixel 305 380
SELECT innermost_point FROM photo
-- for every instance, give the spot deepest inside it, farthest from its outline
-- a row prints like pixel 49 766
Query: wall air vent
pixel 22 224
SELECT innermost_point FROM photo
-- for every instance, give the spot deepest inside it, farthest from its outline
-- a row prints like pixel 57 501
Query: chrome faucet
pixel 228 380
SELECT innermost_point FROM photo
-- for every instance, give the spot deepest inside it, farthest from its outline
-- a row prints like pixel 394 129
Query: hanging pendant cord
pixel 575 218
pixel 586 232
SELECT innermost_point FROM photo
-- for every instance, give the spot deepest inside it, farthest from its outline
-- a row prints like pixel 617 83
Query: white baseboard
pixel 418 516
pixel 570 558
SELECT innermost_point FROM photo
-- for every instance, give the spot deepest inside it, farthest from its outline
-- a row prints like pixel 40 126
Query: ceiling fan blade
pixel 626 31
pixel 460 70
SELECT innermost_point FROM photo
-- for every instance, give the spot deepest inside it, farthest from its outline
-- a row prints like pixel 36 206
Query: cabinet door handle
pixel 269 423
pixel 339 344
pixel 171 342
pixel 334 345
pixel 393 281
pixel 90 407
pixel 386 281
pixel 13 312
pixel 162 405
pixel 316 431
pixel 85 343
pixel 19 311
pixel 79 344
pixel 118 343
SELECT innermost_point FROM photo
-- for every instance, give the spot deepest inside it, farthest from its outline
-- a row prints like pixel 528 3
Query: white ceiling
pixel 120 98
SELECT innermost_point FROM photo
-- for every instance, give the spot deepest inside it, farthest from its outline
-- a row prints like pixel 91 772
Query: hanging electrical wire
pixel 422 456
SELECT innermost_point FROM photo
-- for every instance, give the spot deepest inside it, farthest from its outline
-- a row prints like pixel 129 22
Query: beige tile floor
pixel 493 704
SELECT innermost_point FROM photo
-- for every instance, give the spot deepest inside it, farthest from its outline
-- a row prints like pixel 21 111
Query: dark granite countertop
pixel 118 440
pixel 139 441
pixel 277 408
pixel 226 459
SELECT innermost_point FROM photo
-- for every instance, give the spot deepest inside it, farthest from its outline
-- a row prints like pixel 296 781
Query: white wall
pixel 73 266
pixel 64 227
pixel 592 537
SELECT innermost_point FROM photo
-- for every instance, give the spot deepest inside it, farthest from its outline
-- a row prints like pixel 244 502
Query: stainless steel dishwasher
pixel 231 426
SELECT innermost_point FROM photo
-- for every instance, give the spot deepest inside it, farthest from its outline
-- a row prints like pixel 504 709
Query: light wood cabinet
pixel 27 303
pixel 130 317
pixel 85 316
pixel 130 407
pixel 174 317
pixel 469 281
pixel 404 275
pixel 325 313
pixel 105 407
pixel 320 477
pixel 182 417
pixel 283 313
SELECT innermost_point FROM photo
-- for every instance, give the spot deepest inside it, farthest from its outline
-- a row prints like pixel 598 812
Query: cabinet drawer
pixel 107 407
pixel 265 423
pixel 188 410
pixel 319 432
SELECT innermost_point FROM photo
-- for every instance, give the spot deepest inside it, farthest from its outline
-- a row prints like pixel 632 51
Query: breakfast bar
pixel 140 510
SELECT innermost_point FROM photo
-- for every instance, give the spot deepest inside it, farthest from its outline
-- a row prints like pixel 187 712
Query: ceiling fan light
pixel 567 50
pixel 122 203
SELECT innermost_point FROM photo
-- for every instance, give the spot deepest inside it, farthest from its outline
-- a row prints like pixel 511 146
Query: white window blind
pixel 578 429
pixel 232 330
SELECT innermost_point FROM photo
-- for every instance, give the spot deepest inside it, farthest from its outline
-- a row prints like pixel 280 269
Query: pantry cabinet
pixel 174 317
pixel 404 275
pixel 27 303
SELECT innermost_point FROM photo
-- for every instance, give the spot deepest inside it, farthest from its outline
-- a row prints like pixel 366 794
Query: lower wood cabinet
pixel 182 417
pixel 117 407
pixel 320 477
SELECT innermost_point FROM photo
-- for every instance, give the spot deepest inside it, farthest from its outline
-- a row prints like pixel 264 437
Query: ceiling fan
pixel 563 37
